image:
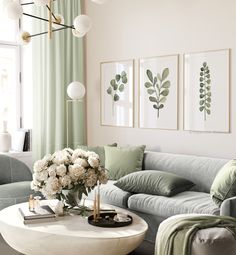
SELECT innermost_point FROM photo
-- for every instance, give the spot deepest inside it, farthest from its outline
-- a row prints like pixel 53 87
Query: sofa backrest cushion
pixel 199 170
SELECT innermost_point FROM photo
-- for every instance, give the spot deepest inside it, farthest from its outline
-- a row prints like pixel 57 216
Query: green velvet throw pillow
pixel 154 182
pixel 99 150
pixel 123 161
pixel 224 184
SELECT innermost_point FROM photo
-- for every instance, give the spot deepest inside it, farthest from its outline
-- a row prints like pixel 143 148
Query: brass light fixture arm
pixel 44 33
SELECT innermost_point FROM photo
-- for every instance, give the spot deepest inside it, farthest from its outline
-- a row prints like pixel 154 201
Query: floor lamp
pixel 76 92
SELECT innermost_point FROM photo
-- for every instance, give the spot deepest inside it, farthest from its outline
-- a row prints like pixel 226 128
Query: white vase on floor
pixel 5 139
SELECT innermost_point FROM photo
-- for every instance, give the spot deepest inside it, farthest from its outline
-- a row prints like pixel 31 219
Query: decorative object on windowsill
pixel 14 10
pixel 75 170
pixel 5 139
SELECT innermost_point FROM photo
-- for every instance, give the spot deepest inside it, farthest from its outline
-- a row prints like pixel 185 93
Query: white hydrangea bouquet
pixel 77 170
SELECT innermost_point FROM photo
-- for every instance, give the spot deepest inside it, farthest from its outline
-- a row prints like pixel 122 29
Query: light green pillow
pixel 99 150
pixel 123 161
pixel 224 184
pixel 154 182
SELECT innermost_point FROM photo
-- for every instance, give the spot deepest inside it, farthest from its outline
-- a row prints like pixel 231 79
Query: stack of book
pixel 22 140
pixel 41 214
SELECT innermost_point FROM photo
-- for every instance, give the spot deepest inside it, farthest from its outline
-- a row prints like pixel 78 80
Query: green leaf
pixel 201 95
pixel 201 90
pixel 116 98
pixel 162 99
pixel 165 73
pixel 202 102
pixel 121 87
pixel 161 106
pixel 155 106
pixel 209 94
pixel 113 82
pixel 165 92
pixel 166 84
pixel 201 108
pixel 201 74
pixel 115 86
pixel 150 91
pixel 208 87
pixel 118 77
pixel 109 90
pixel 204 64
pixel 208 99
pixel 159 77
pixel 148 85
pixel 201 79
pixel 149 75
pixel 208 105
pixel 208 81
pixel 201 85
pixel 123 74
pixel 208 111
pixel 208 76
pixel 124 79
pixel 153 99
pixel 202 69
pixel 155 80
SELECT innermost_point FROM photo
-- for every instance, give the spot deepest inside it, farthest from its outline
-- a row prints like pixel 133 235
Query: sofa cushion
pixel 154 183
pixel 224 185
pixel 199 170
pixel 122 161
pixel 97 149
pixel 14 193
pixel 110 194
pixel 185 202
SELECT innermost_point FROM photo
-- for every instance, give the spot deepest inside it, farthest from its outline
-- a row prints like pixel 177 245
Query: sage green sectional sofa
pixel 154 209
pixel 15 178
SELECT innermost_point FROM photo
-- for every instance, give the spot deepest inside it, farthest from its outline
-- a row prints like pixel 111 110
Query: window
pixel 10 102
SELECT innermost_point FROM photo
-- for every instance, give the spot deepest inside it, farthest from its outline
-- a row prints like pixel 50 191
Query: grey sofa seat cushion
pixel 199 170
pixel 185 202
pixel 14 193
pixel 110 194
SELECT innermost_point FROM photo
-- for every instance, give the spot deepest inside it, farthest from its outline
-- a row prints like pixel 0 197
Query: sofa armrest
pixel 228 207
pixel 13 170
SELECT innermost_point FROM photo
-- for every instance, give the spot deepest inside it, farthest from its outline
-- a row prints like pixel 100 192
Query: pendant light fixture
pixel 14 10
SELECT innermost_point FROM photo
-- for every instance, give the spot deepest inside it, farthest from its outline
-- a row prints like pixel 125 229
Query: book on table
pixel 41 213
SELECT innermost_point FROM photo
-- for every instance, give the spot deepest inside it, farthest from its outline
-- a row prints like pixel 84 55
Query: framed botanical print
pixel 158 92
pixel 206 91
pixel 117 93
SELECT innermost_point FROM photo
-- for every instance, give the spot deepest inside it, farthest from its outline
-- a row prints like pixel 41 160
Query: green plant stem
pixel 158 110
pixel 205 97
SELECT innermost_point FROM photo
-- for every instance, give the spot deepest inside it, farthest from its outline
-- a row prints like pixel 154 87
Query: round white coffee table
pixel 70 235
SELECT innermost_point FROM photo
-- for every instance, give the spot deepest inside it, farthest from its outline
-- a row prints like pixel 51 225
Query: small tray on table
pixel 107 221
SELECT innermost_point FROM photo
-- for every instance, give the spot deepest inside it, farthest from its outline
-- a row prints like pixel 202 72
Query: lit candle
pixel 98 200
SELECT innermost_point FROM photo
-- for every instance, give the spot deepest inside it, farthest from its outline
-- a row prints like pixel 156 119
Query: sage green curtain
pixel 56 63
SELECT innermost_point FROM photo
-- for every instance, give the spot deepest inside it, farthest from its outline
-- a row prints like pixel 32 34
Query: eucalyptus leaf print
pixel 205 90
pixel 117 86
pixel 158 89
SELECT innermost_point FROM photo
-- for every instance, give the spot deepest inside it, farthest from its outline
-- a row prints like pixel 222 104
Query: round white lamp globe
pixel 82 23
pixel 76 90
pixel 41 2
pixel 99 1
pixel 77 33
pixel 14 10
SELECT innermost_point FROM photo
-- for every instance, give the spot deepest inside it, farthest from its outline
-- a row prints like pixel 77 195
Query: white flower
pixel 52 170
pixel 91 178
pixel 35 185
pixel 93 161
pixel 76 172
pixel 69 150
pixel 41 176
pixel 61 170
pixel 92 154
pixel 53 186
pixel 47 158
pixel 77 154
pixel 66 181
pixel 40 165
pixel 103 178
pixel 82 162
pixel 61 157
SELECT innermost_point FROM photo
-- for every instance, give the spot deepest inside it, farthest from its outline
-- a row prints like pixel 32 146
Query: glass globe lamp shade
pixel 60 20
pixel 76 90
pixel 14 10
pixel 99 1
pixel 76 33
pixel 82 23
pixel 41 2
